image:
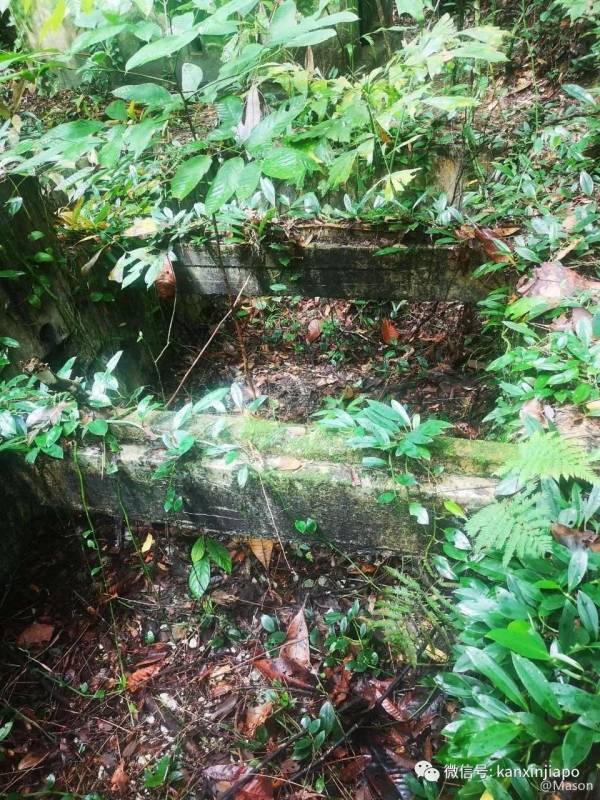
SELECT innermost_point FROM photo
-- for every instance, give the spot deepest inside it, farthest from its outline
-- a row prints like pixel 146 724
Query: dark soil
pixel 302 351
pixel 106 686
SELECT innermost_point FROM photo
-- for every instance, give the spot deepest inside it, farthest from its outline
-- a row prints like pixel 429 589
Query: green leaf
pixel 577 568
pixel 248 181
pixel 415 8
pixel 198 550
pixel 162 48
pixel 199 577
pixel 535 682
pixel 519 638
pixel 188 175
pixel 450 103
pixel 586 182
pixel 588 613
pixel 90 38
pixel 579 93
pixel 485 664
pixel 191 78
pixel 148 94
pixel 218 554
pixel 454 508
pixel 139 136
pixel 340 169
pixel 493 737
pixel 99 427
pixel 576 745
pixel 285 163
pixel 420 512
pixel 224 185
pixel 327 716
pixel 385 498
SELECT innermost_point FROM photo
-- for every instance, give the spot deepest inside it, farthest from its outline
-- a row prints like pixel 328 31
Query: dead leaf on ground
pixel 314 331
pixel 262 549
pixel 572 538
pixel 119 779
pixel 31 760
pixel 36 634
pixel 554 283
pixel 147 544
pixel 286 671
pixel 296 646
pixel 389 332
pixel 255 717
pixel 139 677
pixel 288 463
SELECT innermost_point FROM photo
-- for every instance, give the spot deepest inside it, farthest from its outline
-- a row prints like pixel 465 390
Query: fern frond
pixel 547 454
pixel 519 526
pixel 408 613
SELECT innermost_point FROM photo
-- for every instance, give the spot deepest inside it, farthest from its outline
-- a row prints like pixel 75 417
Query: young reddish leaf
pixel 389 332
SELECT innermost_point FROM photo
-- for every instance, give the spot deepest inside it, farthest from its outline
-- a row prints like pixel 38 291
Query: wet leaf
pixel 141 676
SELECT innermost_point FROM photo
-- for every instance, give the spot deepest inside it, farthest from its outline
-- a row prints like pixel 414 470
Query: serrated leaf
pixel 188 175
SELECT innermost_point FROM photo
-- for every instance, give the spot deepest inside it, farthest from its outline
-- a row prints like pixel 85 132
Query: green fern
pixel 408 613
pixel 547 454
pixel 519 526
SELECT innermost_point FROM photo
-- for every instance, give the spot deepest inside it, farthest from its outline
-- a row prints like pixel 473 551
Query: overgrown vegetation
pixel 159 148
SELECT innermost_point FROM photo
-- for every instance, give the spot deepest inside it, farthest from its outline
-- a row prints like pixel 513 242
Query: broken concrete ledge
pixel 296 472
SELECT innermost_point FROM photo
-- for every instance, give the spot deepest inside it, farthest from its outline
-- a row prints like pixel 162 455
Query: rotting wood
pixel 335 270
pixel 296 472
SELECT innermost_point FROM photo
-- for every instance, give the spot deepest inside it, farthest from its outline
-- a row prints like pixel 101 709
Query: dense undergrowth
pixel 141 161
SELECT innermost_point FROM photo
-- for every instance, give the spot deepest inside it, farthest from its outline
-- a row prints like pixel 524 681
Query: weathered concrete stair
pixel 296 471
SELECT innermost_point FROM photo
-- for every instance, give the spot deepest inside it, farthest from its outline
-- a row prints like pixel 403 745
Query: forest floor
pixel 136 690
pixel 303 351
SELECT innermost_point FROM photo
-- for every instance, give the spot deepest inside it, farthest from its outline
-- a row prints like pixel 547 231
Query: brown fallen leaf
pixel 571 537
pixel 142 227
pixel 119 779
pixel 389 332
pixel 166 283
pixel 255 717
pixel 139 677
pixel 31 760
pixel 287 463
pixel 262 549
pixel 490 242
pixel 36 634
pixel 314 331
pixel 286 671
pixel 554 283
pixel 296 646
pixel 147 544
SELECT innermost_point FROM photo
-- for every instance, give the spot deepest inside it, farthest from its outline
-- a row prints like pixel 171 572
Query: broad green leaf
pixel 519 638
pixel 218 554
pixel 340 169
pixel 224 185
pixel 450 102
pixel 485 664
pixel 96 36
pixel 54 21
pixel 198 549
pixel 493 737
pixel 577 568
pixel 534 681
pixel 99 427
pixel 199 577
pixel 579 93
pixel 191 78
pixel 586 182
pixel 419 512
pixel 148 94
pixel 284 163
pixel 139 136
pixel 415 8
pixel 162 48
pixel 588 613
pixel 576 745
pixel 248 181
pixel 188 175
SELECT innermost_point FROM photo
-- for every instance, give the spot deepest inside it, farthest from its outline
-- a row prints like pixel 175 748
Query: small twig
pixel 207 343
